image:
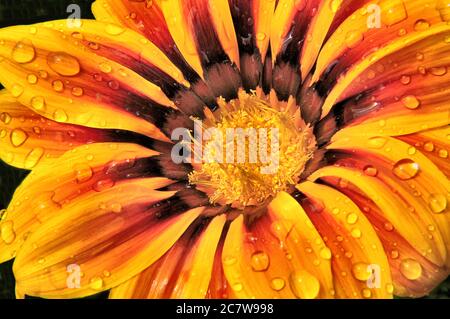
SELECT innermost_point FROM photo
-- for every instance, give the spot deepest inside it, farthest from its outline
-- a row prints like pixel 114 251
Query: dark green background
pixel 13 12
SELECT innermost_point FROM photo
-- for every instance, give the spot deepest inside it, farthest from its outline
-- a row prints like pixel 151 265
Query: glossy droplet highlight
pixel 406 169
pixel 58 86
pixel 96 283
pixel 443 6
pixel 38 103
pixel 16 90
pixel 116 208
pixel 437 203
pixel 411 269
pixel 260 261
pixel 63 63
pixel 410 102
pixel 33 157
pixel 7 232
pixel 277 284
pixel 83 172
pixel 60 116
pixel 23 52
pixel 352 218
pixel 361 271
pixel 5 118
pixel 325 253
pixel 304 285
pixel 377 142
pixel 114 29
pixel 18 137
pixel 370 171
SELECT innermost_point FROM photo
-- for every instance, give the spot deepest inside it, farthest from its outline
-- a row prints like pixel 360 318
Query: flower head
pixel 323 174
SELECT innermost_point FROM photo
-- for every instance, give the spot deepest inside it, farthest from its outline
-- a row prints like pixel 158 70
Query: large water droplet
pixel 33 157
pixel 63 63
pixel 394 11
pixel 16 90
pixel 60 116
pixel 411 269
pixel 325 253
pixel 83 172
pixel 38 103
pixel 23 52
pixel 352 218
pixel 411 102
pixel 18 137
pixel 304 285
pixel 96 283
pixel 406 169
pixel 7 232
pixel 437 202
pixel 5 118
pixel 361 271
pixel 443 6
pixel 260 261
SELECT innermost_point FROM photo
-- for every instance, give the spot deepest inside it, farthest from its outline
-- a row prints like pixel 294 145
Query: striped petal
pixel 184 271
pixel 114 76
pixel 28 140
pixel 85 170
pixel 279 255
pixel 359 263
pixel 109 237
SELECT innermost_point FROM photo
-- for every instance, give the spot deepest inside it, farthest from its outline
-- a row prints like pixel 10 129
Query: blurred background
pixel 13 12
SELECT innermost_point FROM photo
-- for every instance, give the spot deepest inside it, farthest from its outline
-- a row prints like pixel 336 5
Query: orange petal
pixel 359 263
pixel 107 238
pixel 435 144
pixel 28 140
pixel 107 71
pixel 279 255
pixel 85 170
pixel 183 272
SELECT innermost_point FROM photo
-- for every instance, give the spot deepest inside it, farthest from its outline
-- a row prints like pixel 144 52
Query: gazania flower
pixel 358 206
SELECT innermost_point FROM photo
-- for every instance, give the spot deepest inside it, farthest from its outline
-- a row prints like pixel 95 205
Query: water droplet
pixel 23 52
pixel 353 38
pixel 429 147
pixel 237 286
pixel 325 253
pixel 356 233
pixel 277 284
pixel 18 137
pixel 377 142
pixel 366 293
pixel 411 269
pixel 410 102
pixel 16 90
pixel 437 203
pixel 33 157
pixel 335 5
pixel 405 80
pixel 5 118
pixel 83 172
pixel 114 29
pixel 43 74
pixel 370 171
pixel 104 185
pixel 32 78
pixel 7 232
pixel 38 102
pixel 394 254
pixel 116 208
pixel 443 6
pixel 63 63
pixel 96 283
pixel 352 218
pixel 412 150
pixel 58 86
pixel 439 71
pixel 361 271
pixel 304 285
pixel 114 85
pixel 260 36
pixel 77 91
pixel 406 169
pixel 60 116
pixel 421 25
pixel 394 11
pixel 388 226
pixel 260 261
pixel 443 153
pixel 390 288
pixel 105 68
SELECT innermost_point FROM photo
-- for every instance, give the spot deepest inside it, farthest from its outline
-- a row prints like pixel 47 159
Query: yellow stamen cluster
pixel 242 183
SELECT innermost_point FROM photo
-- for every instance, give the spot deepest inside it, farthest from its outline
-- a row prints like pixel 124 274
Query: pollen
pixel 251 151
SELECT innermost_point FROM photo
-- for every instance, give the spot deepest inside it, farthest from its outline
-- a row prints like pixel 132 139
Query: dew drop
pixel 16 90
pixel 437 203
pixel 5 118
pixel 394 11
pixel 277 284
pixel 353 38
pixel 60 116
pixel 32 78
pixel 96 283
pixel 377 142
pixel 63 63
pixel 38 103
pixel 443 153
pixel 366 293
pixel 405 79
pixel 83 172
pixel 104 185
pixel 116 208
pixel 428 146
pixel 77 91
pixel 406 169
pixel 439 71
pixel 410 102
pixel 114 29
pixel 18 137
pixel 411 269
pixel 304 285
pixel 325 253
pixel 58 86
pixel 229 260
pixel 352 218
pixel 361 271
pixel 260 261
pixel 23 52
pixel 356 233
pixel 7 232
pixel 370 171
pixel 443 6
pixel 105 68
pixel 33 157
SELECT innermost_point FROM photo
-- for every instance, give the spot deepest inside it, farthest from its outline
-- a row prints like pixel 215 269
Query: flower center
pixel 251 151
